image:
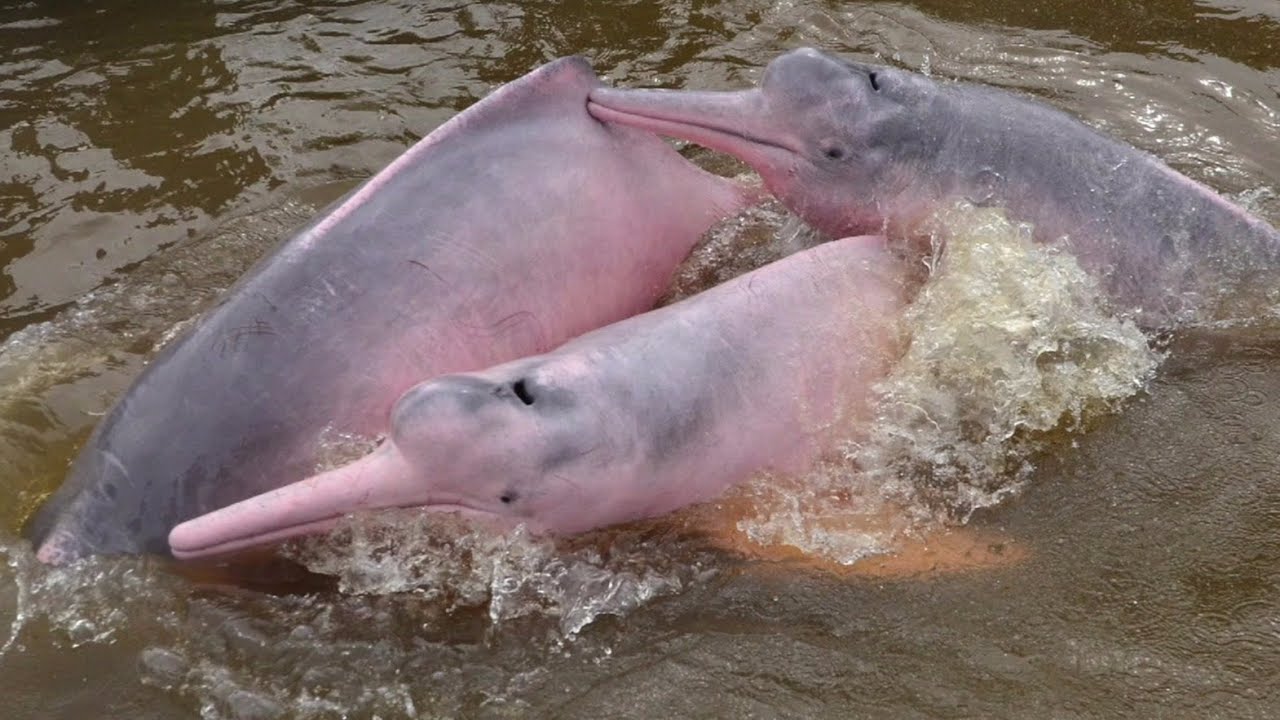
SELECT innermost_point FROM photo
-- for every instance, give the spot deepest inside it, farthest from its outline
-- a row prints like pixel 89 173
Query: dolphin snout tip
pixel 60 548
pixel 181 543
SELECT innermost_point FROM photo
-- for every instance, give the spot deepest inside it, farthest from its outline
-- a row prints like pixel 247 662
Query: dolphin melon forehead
pixel 833 91
pixel 810 65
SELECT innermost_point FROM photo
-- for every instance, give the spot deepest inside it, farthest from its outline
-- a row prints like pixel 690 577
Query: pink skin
pixel 515 226
pixel 768 371
pixel 859 148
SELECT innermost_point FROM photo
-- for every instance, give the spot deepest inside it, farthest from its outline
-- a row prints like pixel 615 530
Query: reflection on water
pixel 113 148
pixel 151 151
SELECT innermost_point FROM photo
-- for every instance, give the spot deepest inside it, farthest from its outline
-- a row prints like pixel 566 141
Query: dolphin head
pixel 522 441
pixel 526 442
pixel 819 130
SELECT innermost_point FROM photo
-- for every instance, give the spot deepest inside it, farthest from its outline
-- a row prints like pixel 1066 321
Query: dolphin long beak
pixel 382 479
pixel 732 122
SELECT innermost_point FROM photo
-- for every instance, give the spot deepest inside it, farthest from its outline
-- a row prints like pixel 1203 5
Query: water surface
pixel 149 152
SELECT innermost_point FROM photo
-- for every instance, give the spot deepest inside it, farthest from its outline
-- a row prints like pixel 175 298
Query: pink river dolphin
pixel 767 372
pixel 857 148
pixel 517 225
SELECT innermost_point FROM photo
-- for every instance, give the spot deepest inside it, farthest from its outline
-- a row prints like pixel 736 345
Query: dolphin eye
pixel 507 498
pixel 875 84
pixel 521 389
pixel 834 152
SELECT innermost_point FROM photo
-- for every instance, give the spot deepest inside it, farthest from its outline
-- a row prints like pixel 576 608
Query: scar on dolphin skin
pixel 427 267
pixel 235 338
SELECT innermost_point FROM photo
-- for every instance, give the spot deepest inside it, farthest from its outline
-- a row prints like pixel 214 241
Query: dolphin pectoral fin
pixel 382 479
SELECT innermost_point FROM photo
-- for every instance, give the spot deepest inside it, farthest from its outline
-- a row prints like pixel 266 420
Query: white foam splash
pixel 444 558
pixel 15 560
pixel 1007 341
pixel 87 602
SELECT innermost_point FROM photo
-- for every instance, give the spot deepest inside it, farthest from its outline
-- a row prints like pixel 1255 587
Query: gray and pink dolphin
pixel 855 148
pixel 767 372
pixel 517 225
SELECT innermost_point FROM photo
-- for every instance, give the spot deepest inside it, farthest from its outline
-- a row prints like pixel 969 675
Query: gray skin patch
pixel 674 434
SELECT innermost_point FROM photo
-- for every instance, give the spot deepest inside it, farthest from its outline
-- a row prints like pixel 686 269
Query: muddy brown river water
pixel 149 152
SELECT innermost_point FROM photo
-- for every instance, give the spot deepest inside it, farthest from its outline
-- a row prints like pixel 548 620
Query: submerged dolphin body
pixel 858 148
pixel 518 224
pixel 768 371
